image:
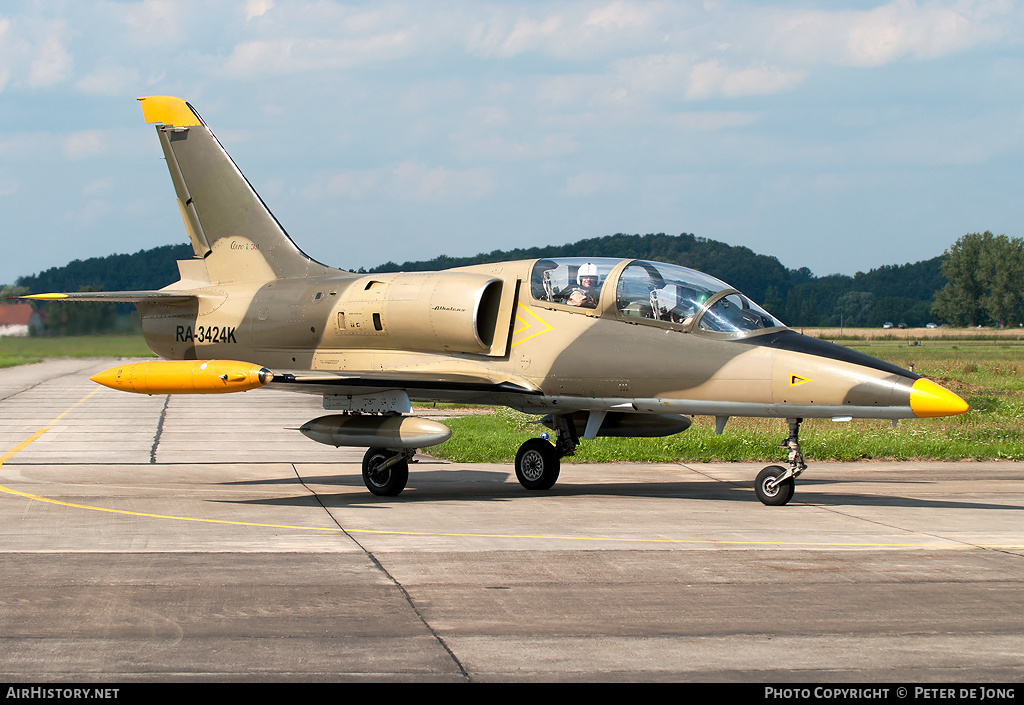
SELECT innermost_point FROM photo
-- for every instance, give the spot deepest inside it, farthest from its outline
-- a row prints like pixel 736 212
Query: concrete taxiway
pixel 181 538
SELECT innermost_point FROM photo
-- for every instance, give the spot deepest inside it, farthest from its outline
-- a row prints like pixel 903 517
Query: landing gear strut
pixel 538 462
pixel 774 485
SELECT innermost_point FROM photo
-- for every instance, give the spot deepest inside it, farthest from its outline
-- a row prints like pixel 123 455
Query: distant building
pixel 17 320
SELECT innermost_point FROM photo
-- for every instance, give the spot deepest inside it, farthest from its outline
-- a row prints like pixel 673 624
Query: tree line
pixel 985 286
pixel 979 280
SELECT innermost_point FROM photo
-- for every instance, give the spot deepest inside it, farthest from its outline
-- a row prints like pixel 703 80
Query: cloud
pixel 712 79
pixel 408 181
pixel 94 211
pixel 499 148
pixel 292 55
pixel 425 183
pixel 158 23
pixel 575 31
pixel 636 84
pixel 8 186
pixel 887 33
pixel 526 35
pixel 81 145
pixel 713 120
pixel 111 80
pixel 33 52
pixel 51 62
pixel 98 187
pixel 620 15
pixel 5 51
pixel 588 183
pixel 257 8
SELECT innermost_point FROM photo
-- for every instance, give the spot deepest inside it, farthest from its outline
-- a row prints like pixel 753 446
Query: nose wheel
pixel 774 486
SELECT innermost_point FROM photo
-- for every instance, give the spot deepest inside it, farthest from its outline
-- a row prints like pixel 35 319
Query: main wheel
pixel 775 496
pixel 384 481
pixel 537 465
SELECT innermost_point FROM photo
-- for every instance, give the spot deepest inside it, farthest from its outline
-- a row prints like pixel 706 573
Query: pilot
pixel 588 290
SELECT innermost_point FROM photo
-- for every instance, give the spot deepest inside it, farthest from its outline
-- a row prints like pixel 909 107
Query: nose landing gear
pixel 774 485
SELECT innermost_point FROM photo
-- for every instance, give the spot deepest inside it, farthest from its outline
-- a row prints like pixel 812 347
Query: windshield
pixel 667 292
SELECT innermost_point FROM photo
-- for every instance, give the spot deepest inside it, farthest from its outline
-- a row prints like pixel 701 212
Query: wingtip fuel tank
pixel 184 377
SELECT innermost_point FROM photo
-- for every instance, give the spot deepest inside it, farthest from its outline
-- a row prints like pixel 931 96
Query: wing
pixel 435 386
pixel 222 376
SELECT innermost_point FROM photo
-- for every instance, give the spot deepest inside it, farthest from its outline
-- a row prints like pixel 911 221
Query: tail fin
pixel 227 222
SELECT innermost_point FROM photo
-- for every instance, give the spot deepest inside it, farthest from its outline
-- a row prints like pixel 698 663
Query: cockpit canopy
pixel 648 292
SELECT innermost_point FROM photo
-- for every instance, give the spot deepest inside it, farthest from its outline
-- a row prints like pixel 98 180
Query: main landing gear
pixel 774 485
pixel 538 462
pixel 385 471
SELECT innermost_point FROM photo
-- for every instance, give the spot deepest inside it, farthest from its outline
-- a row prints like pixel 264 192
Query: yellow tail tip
pixel 168 110
pixel 928 400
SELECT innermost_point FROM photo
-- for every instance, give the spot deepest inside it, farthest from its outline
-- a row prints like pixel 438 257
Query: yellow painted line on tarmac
pixel 539 537
pixel 35 436
pixel 21 446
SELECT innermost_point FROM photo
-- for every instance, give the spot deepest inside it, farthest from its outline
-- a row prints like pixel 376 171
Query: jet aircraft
pixel 595 346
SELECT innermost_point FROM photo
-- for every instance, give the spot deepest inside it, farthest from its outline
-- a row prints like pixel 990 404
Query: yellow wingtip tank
pixel 184 377
pixel 44 297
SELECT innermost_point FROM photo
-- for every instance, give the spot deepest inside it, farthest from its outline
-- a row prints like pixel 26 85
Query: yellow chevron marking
pixel 525 325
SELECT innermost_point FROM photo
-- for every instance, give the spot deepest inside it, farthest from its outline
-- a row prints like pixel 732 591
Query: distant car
pixel 887 325
pixel 932 325
pixel 901 326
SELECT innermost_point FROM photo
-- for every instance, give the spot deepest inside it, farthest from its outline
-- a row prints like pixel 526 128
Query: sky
pixel 838 136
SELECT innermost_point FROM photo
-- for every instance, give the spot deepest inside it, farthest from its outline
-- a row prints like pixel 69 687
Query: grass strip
pixel 21 351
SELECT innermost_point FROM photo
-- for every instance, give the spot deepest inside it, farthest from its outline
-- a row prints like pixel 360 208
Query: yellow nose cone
pixel 928 399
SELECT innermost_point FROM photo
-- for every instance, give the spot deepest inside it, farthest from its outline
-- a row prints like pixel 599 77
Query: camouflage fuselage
pixel 483 321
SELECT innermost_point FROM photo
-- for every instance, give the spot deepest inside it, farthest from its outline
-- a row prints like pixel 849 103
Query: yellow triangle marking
pixel 794 380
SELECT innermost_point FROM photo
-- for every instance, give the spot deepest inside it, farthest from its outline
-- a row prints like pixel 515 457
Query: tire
pixel 778 495
pixel 537 465
pixel 388 482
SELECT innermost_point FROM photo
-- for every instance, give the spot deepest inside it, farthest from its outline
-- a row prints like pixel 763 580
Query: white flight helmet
pixel 587 270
